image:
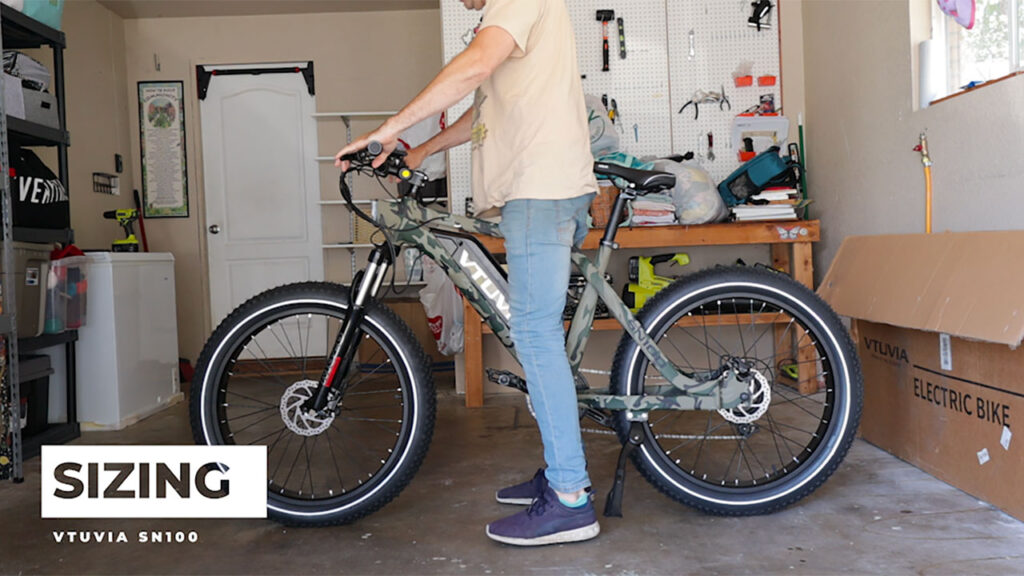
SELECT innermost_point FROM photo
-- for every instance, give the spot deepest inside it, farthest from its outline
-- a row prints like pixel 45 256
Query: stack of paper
pixel 770 204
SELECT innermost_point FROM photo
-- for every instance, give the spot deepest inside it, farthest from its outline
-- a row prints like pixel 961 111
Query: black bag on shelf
pixel 38 198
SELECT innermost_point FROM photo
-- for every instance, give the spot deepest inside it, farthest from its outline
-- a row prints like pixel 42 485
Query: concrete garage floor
pixel 877 515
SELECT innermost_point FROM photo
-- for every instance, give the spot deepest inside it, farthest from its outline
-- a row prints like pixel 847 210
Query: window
pixel 989 51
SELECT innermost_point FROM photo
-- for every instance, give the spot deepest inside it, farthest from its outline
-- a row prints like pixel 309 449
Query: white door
pixel 261 184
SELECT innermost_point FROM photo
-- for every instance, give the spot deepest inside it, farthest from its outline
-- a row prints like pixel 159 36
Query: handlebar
pixel 394 165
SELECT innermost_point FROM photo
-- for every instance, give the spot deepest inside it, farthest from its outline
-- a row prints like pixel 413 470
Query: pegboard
pixel 722 40
pixel 656 78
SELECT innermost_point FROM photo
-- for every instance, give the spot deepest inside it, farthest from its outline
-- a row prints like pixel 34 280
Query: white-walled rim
pixel 332 304
pixel 847 391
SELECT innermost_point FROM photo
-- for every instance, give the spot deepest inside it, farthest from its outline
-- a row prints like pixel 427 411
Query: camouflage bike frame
pixel 410 222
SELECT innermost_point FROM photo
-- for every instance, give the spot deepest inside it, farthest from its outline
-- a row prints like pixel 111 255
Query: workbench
pixel 790 242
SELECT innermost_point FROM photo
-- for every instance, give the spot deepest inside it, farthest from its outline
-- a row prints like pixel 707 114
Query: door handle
pixel 215 229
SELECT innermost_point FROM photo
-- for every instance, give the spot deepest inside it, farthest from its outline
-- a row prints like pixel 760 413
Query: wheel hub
pixel 295 417
pixel 760 397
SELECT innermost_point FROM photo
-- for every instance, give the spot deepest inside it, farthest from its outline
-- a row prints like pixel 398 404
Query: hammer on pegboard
pixel 604 17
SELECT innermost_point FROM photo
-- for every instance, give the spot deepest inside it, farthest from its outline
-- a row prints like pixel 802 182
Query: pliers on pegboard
pixel 702 97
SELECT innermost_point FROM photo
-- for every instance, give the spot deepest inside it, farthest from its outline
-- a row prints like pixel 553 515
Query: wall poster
pixel 162 144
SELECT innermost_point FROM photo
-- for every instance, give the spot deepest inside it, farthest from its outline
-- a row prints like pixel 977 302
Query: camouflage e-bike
pixel 734 390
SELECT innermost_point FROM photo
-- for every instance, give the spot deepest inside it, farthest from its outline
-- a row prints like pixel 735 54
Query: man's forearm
pixel 458 79
pixel 452 136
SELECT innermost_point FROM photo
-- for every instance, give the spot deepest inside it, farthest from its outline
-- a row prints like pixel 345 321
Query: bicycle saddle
pixel 639 180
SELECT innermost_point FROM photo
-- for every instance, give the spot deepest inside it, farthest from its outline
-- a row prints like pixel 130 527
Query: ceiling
pixel 186 8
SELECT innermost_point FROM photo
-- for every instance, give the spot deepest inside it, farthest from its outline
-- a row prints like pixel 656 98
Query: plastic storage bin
pixel 48 12
pixel 66 289
pixel 31 262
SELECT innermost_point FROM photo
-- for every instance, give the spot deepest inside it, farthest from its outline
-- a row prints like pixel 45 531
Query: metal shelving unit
pixel 20 32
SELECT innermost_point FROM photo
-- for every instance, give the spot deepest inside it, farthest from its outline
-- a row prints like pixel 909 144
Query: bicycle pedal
pixel 601 417
pixel 507 379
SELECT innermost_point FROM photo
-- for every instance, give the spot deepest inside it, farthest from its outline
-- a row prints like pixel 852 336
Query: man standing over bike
pixel 531 159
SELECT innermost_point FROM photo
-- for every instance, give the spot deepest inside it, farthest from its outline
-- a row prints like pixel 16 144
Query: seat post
pixel 612 227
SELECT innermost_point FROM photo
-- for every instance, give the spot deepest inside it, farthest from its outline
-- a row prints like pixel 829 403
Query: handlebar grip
pixel 374 148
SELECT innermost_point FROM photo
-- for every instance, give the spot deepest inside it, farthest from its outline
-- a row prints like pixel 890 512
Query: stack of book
pixel 770 204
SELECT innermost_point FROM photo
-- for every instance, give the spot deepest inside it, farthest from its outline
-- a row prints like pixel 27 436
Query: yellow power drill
pixel 126 218
pixel 643 282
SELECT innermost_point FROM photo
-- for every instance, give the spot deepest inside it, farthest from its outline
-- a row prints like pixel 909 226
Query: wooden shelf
pixel 727 234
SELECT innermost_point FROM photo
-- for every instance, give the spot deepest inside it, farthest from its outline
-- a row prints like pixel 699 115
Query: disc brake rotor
pixel 760 397
pixel 295 418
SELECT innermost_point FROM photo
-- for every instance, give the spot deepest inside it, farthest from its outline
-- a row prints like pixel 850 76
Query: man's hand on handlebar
pixel 387 140
pixel 414 158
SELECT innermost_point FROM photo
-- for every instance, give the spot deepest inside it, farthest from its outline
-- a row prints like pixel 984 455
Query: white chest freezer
pixel 127 352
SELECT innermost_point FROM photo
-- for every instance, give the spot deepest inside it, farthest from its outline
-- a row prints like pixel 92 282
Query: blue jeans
pixel 539 236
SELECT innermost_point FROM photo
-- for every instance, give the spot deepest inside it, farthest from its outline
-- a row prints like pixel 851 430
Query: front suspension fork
pixel 366 286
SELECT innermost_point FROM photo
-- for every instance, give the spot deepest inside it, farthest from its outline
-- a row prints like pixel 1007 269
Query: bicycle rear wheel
pixel 806 391
pixel 265 360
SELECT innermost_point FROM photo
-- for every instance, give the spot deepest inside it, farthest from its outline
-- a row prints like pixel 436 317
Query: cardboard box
pixel 938 321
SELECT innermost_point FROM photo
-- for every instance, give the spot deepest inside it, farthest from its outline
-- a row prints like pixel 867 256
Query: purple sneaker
pixel 546 521
pixel 523 494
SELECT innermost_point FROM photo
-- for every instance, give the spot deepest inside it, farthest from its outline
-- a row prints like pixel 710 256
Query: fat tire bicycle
pixel 735 390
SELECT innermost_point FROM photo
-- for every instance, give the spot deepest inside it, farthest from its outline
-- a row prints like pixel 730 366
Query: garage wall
pixel 861 127
pixel 97 112
pixel 358 68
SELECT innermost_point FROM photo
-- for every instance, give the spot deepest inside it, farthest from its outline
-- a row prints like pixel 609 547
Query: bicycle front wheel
pixel 806 391
pixel 265 360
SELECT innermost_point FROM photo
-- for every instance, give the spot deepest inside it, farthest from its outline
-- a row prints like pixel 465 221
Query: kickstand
pixel 613 504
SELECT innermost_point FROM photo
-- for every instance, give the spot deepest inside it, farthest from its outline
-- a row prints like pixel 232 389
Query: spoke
pixel 348 408
pixel 285 349
pixel 302 347
pixel 232 392
pixel 294 461
pixel 677 349
pixel 246 427
pixel 334 458
pixel 279 431
pixel 707 433
pixel 729 465
pixel 700 447
pixel 362 449
pixel 753 345
pixel 772 324
pixel 376 422
pixel 269 371
pixel 368 392
pixel 739 330
pixel 743 460
pixel 281 461
pixel 261 410
pixel 771 434
pixel 363 377
pixel 791 427
pixel 756 459
pixel 793 403
pixel 784 437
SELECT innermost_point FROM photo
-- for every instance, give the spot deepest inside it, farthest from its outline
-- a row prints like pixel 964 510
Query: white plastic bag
pixel 604 139
pixel 695 195
pixel 443 306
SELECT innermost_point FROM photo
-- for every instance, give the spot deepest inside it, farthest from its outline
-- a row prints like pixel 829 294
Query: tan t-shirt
pixel 530 134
